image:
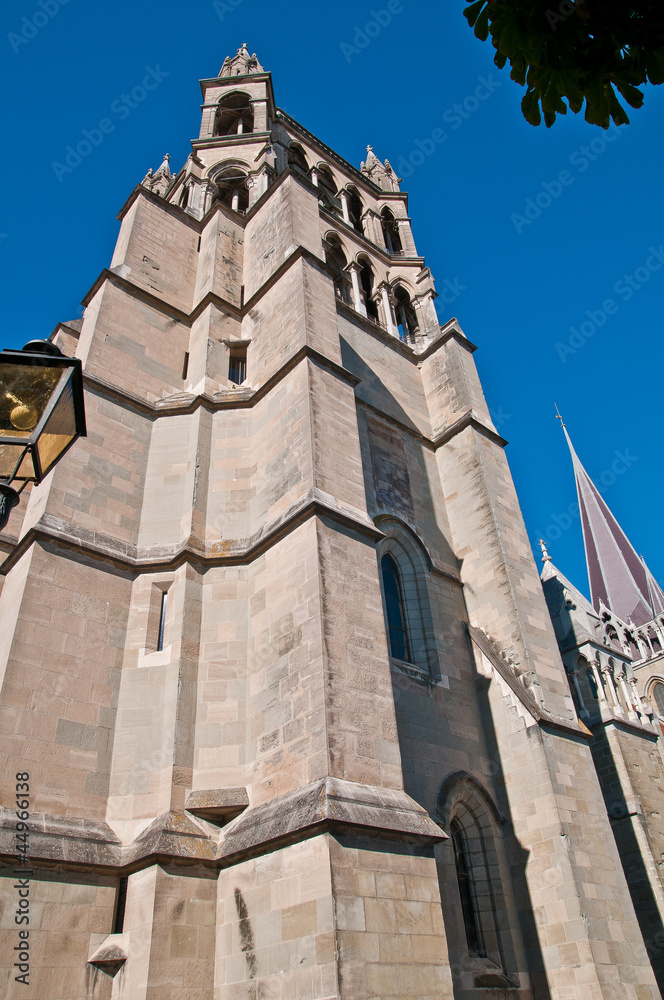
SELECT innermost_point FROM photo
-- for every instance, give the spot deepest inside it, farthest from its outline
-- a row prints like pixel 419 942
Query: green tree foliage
pixel 562 50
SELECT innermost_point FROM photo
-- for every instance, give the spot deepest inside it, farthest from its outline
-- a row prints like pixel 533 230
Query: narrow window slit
pixel 162 620
pixel 120 906
pixel 185 365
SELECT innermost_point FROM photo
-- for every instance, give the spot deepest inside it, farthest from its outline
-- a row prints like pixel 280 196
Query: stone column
pixel 426 312
pixel 608 677
pixel 343 197
pixel 354 270
pixel 386 299
pixel 583 711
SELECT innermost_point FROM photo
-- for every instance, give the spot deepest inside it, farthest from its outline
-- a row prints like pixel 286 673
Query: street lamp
pixel 41 415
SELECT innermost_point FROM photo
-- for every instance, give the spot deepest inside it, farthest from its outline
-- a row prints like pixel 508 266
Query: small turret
pixel 241 64
pixel 160 181
pixel 380 174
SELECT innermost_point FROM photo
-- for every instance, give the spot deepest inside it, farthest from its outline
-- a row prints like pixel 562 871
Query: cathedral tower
pixel 275 654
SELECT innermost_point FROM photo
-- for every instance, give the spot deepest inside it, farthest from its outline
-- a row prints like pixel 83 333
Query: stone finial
pixel 160 181
pixel 545 555
pixel 380 174
pixel 241 64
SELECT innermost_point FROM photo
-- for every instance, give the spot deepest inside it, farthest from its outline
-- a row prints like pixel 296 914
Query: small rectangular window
pixel 237 366
pixel 185 364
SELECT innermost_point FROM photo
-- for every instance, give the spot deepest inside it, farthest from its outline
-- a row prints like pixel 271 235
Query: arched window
pixel 469 909
pixel 232 189
pixel 327 190
pixel 234 116
pixel 366 283
pixel 406 315
pixel 390 232
pixel 657 695
pixel 297 159
pixel 355 209
pixel 394 609
pixel 184 196
pixel 335 258
pixel 483 918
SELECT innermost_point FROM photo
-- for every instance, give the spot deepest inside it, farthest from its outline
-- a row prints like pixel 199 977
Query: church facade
pixel 276 664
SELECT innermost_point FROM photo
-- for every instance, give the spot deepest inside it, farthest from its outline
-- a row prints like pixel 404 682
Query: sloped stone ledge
pixel 517 683
pixel 329 804
pixel 177 838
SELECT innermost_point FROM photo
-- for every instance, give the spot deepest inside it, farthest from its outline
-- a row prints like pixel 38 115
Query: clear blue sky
pixel 520 286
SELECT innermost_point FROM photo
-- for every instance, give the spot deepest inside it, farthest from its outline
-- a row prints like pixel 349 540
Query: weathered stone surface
pixel 194 626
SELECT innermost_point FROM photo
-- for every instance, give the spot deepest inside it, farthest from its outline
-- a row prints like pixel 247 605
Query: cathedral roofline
pixel 357 174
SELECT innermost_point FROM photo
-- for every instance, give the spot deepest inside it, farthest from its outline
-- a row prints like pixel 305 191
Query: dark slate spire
pixel 616 573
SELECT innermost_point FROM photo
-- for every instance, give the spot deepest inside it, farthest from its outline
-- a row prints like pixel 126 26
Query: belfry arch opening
pixel 297 159
pixel 232 189
pixel 335 258
pixel 234 115
pixel 407 322
pixel 390 232
pixel 327 189
pixel 355 209
pixel 367 286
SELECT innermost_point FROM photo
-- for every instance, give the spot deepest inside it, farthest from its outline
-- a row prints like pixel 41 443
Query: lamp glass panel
pixel 9 456
pixel 59 431
pixel 25 391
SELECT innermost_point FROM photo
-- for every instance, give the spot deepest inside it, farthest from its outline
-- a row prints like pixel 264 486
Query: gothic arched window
pixel 390 232
pixel 297 159
pixel 335 258
pixel 483 916
pixel 367 282
pixel 658 697
pixel 232 189
pixel 355 209
pixel 406 316
pixel 327 190
pixel 469 909
pixel 234 116
pixel 394 609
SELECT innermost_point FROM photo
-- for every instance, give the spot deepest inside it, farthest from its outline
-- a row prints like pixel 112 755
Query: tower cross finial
pixel 558 417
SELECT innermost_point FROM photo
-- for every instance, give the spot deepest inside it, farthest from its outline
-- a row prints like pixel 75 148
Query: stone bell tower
pixel 275 654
